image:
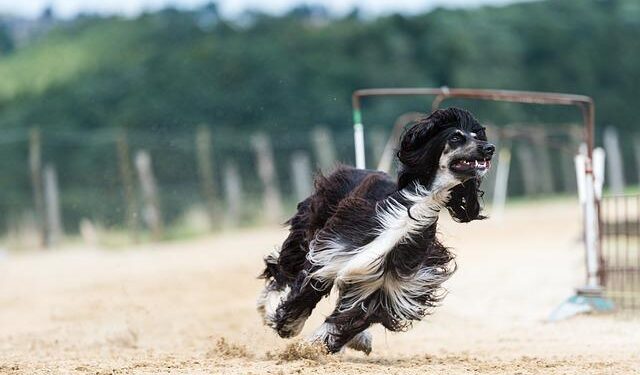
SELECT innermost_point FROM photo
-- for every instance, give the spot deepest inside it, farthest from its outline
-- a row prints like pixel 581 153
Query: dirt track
pixel 189 308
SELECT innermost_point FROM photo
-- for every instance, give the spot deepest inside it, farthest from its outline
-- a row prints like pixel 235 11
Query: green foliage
pixel 170 71
pixel 163 70
pixel 6 41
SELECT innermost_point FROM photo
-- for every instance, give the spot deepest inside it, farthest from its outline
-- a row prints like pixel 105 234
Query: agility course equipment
pixel 590 297
pixel 620 228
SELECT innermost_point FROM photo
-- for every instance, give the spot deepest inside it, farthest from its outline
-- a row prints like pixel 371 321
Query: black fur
pixel 420 149
pixel 344 206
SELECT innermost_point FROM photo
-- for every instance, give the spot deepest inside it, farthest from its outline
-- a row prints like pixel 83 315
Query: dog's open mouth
pixel 466 165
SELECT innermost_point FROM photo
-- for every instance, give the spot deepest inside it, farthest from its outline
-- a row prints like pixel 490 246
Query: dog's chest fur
pixel 384 254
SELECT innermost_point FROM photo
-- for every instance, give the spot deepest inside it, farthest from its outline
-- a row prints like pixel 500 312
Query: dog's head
pixel 448 148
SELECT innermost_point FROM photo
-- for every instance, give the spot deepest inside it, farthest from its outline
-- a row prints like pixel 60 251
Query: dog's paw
pixel 290 327
pixel 362 342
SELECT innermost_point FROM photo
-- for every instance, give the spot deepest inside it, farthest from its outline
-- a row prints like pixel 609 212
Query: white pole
pixel 590 219
pixel 598 171
pixel 592 234
pixel 615 164
pixel 580 162
pixel 358 137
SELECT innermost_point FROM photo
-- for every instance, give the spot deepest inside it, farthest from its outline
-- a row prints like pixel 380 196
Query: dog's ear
pixel 464 204
pixel 419 151
pixel 415 136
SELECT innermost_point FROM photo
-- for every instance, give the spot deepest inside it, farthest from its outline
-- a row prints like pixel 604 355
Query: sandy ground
pixel 189 308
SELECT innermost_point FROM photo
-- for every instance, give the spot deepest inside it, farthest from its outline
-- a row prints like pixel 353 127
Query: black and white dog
pixel 374 239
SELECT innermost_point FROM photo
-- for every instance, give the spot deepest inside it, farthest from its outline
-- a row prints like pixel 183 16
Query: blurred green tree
pixel 169 71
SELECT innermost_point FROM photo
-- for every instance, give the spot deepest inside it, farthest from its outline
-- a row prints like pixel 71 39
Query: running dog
pixel 373 238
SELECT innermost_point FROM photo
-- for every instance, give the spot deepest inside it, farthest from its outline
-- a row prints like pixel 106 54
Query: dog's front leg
pixel 295 309
pixel 345 328
pixel 361 342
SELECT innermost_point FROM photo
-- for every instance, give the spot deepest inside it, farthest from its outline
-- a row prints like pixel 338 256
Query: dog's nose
pixel 488 149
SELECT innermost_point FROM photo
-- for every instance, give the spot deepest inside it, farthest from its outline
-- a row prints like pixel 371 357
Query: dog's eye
pixel 456 138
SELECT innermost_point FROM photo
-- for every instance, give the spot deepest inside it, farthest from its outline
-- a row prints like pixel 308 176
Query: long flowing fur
pixel 374 239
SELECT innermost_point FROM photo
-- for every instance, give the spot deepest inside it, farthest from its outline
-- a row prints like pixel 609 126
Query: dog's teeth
pixel 480 164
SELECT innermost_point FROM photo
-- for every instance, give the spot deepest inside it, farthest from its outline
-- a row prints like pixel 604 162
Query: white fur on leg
pixel 268 303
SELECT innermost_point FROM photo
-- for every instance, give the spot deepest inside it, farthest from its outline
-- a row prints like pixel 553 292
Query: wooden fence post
pixel 323 148
pixel 378 143
pixel 233 194
pixel 543 162
pixel 527 161
pixel 89 233
pixel 126 175
pixel 568 172
pixel 53 218
pixel 615 170
pixel 386 163
pixel 567 163
pixel 489 181
pixel 152 213
pixel 301 175
pixel 205 168
pixel 503 167
pixel 636 154
pixel 267 173
pixel 35 167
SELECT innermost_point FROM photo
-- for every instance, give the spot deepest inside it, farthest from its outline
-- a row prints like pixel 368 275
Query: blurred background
pixel 149 121
pixel 150 151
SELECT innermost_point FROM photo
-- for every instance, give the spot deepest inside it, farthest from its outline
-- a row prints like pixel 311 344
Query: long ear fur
pixel 420 148
pixel 464 205
pixel 417 160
